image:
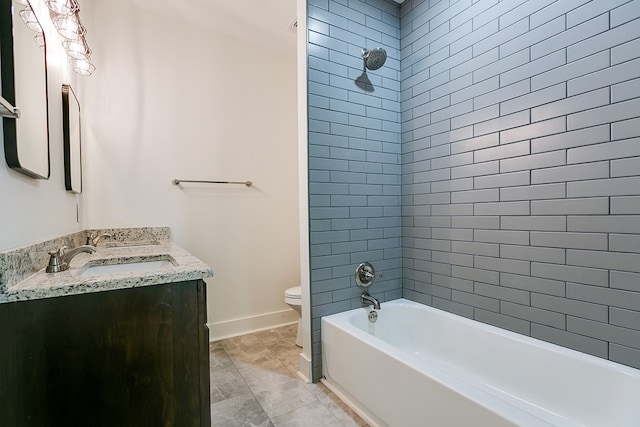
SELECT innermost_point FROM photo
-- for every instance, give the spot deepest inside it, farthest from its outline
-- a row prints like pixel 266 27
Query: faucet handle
pixel 93 241
pixel 365 274
pixel 58 252
pixel 55 263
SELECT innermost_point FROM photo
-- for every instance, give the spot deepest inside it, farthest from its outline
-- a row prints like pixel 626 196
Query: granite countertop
pixel 181 266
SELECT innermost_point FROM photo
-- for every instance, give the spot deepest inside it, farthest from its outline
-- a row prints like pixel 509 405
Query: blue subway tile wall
pixel 354 155
pixel 521 166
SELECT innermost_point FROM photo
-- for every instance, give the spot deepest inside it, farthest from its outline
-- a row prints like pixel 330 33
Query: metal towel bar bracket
pixel 178 181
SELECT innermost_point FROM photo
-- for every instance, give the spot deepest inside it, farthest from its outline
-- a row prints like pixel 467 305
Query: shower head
pixel 374 58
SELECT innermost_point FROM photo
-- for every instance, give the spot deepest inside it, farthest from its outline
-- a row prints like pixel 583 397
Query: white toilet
pixel 293 297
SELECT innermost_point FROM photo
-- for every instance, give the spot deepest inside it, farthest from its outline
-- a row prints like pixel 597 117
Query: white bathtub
pixel 419 366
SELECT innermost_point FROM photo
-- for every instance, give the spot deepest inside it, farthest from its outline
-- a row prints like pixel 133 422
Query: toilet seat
pixel 293 295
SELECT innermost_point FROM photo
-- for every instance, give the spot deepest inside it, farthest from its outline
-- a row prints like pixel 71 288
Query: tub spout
pixel 368 299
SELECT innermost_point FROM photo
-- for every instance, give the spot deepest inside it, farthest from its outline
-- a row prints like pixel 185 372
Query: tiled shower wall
pixel 354 155
pixel 520 167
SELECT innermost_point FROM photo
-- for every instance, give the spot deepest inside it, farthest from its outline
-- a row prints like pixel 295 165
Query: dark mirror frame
pixel 7 65
pixel 72 140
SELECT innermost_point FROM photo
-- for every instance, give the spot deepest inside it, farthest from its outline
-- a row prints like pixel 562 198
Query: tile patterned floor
pixel 254 383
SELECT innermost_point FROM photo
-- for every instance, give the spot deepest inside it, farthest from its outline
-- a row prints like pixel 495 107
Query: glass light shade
pixel 83 66
pixel 69 27
pixel 62 7
pixel 30 19
pixel 77 49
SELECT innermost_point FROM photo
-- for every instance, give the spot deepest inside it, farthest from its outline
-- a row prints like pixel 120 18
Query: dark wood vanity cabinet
pixel 127 357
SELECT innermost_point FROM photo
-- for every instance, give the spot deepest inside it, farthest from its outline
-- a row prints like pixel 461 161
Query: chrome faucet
pixel 59 260
pixel 94 241
pixel 368 299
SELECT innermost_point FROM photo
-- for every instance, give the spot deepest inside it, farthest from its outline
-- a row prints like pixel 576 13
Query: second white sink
pixel 126 267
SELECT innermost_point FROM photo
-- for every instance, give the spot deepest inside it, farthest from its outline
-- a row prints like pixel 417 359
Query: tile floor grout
pixel 254 382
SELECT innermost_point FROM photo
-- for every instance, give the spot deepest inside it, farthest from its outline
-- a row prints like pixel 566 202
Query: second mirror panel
pixel 72 140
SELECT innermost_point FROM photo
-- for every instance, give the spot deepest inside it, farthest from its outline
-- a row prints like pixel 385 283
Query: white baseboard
pixel 247 325
pixel 304 368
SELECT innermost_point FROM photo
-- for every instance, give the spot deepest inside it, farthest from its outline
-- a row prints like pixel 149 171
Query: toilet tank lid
pixel 295 292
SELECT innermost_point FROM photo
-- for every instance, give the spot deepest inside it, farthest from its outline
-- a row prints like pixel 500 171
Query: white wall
pixel 172 99
pixel 33 209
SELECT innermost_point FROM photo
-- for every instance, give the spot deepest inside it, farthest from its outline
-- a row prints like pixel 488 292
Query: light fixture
pixel 83 66
pixel 63 7
pixel 30 19
pixel 65 16
pixel 77 49
pixel 69 26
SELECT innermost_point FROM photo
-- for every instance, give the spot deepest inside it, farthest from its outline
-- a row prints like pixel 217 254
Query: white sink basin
pixel 131 244
pixel 126 267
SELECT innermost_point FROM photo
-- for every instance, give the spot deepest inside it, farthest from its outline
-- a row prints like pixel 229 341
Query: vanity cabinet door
pixel 130 357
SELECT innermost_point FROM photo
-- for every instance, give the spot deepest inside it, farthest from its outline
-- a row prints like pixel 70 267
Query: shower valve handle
pixel 365 275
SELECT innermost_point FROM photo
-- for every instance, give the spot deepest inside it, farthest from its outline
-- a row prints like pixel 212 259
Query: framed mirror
pixel 72 140
pixel 24 86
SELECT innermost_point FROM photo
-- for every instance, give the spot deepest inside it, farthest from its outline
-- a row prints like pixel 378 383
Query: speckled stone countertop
pixel 181 266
